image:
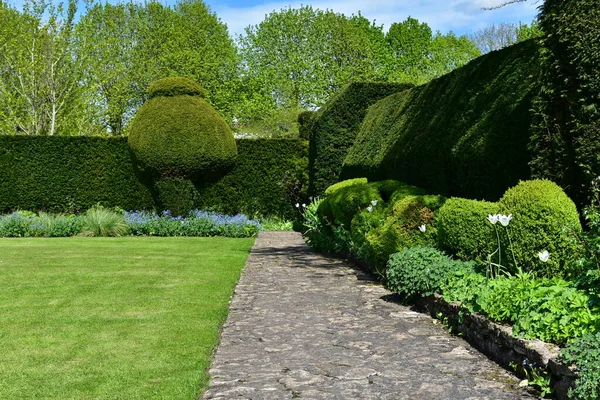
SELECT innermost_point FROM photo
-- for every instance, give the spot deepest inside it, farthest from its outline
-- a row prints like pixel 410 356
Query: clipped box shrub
pixel 464 230
pixel 305 124
pixel 334 127
pixel 401 227
pixel 544 218
pixel 343 184
pixel 419 270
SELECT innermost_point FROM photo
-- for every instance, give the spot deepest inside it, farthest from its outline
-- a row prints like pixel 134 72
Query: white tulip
pixel 374 202
pixel 544 255
pixel 493 218
pixel 423 228
pixel 370 209
pixel 504 219
pixel 297 205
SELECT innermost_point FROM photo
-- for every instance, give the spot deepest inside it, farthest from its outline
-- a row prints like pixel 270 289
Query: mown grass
pixel 113 318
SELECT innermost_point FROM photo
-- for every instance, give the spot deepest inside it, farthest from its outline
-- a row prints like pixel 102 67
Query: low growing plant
pixel 101 221
pixel 584 352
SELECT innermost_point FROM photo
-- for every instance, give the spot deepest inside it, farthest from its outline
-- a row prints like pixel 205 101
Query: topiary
pixel 464 231
pixel 342 184
pixel 178 134
pixel 544 217
pixel 418 270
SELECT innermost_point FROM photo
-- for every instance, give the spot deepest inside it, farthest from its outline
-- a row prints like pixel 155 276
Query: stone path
pixel 306 326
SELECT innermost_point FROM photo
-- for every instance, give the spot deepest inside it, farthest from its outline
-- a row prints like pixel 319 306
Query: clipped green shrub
pixel 544 218
pixel 305 124
pixel 364 222
pixel 464 134
pixel 177 195
pixel 402 226
pixel 174 86
pixel 418 270
pixel 176 133
pixel 464 230
pixel 335 126
pixel 346 183
pixel 566 131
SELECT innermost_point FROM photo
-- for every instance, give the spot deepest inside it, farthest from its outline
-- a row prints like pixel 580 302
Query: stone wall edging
pixel 496 342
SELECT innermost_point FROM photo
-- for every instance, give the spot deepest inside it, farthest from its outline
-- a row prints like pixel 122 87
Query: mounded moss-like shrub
pixel 176 133
pixel 543 217
pixel 343 184
pixel 464 230
pixel 363 223
pixel 401 227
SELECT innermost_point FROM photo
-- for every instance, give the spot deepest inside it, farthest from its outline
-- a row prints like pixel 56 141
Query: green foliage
pixel 174 86
pixel 55 225
pixel 335 126
pixel 269 177
pixel 543 219
pixel 180 135
pixel 305 124
pixel 272 124
pixel 418 270
pixel 475 148
pixel 276 224
pixel 565 140
pixel 349 182
pixel 316 229
pixel 177 195
pixel 400 228
pixel 364 222
pixel 584 352
pixel 70 174
pixel 100 221
pixel 464 231
pixel 546 309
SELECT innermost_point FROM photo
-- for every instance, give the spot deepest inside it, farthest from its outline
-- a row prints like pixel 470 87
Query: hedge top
pixel 174 86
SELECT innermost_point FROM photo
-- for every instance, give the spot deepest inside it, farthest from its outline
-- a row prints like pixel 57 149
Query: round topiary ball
pixel 544 218
pixel 176 133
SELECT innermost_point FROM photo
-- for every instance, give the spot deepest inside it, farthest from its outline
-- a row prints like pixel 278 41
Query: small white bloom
pixel 297 205
pixel 370 209
pixel 423 228
pixel 544 255
pixel 504 219
pixel 303 205
pixel 310 198
pixel 493 218
pixel 373 203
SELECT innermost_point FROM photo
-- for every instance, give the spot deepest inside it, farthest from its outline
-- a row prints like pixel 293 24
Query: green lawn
pixel 113 318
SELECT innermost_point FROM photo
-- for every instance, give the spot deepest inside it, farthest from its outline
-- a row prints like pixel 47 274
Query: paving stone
pixel 304 325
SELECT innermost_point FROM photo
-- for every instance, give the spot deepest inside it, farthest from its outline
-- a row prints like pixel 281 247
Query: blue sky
pixel 460 16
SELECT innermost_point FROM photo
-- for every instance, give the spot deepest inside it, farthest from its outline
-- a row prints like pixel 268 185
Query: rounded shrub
pixel 176 133
pixel 349 182
pixel 464 230
pixel 363 223
pixel 341 206
pixel 418 270
pixel 544 218
pixel 403 227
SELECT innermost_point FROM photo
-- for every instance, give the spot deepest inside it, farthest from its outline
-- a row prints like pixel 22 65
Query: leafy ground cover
pixel 127 318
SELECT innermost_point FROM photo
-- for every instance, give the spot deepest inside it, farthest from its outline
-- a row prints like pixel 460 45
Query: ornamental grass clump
pixel 100 221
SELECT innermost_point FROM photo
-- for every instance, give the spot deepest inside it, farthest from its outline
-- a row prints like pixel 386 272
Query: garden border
pixel 496 342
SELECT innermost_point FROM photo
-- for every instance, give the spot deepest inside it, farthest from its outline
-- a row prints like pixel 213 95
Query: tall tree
pixel 495 37
pixel 303 55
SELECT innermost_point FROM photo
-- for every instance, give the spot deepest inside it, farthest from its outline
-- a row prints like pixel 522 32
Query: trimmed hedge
pixel 335 126
pixel 69 174
pixel 464 134
pixel 350 182
pixel 566 133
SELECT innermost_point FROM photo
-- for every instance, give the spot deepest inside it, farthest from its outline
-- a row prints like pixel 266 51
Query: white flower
pixel 297 205
pixel 544 255
pixel 370 209
pixel 373 203
pixel 504 219
pixel 303 205
pixel 423 228
pixel 493 218
pixel 310 198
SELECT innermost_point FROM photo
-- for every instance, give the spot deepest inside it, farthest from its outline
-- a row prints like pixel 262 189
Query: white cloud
pixel 460 16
